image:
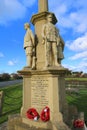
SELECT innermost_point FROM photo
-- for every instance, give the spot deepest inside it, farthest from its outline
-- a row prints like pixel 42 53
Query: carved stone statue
pixel 60 48
pixel 50 35
pixel 29 46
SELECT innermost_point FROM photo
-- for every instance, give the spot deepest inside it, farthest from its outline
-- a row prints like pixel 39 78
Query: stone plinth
pixel 16 123
pixel 43 88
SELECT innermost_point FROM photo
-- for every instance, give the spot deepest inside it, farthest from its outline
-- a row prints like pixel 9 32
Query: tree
pixel 5 76
pixel 16 76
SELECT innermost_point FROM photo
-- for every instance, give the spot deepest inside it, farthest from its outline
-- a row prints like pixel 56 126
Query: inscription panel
pixel 39 92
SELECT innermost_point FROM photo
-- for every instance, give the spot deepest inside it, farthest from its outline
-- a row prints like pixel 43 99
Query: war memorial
pixel 44 106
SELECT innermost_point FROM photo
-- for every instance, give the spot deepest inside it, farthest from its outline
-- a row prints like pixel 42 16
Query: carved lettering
pixel 39 92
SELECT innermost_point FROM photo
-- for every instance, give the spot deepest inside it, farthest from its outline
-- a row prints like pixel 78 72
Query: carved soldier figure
pixel 29 46
pixel 60 48
pixel 50 35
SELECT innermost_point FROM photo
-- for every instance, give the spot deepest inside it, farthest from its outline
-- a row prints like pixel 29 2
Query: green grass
pixel 80 101
pixel 12 101
pixel 78 79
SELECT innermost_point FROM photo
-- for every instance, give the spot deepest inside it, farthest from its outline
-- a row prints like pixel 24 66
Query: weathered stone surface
pixel 13 120
pixel 3 126
pixel 43 5
pixel 15 123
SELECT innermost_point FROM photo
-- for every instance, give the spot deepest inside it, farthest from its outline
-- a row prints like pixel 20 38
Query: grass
pixel 78 79
pixel 80 101
pixel 12 101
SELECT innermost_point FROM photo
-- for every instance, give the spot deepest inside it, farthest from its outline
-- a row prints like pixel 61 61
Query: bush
pixel 16 76
pixel 5 77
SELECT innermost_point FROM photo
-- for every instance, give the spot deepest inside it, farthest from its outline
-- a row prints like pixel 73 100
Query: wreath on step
pixel 78 123
pixel 34 115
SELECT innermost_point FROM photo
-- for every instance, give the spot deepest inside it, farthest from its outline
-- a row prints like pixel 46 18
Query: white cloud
pixel 1 55
pixel 70 67
pixel 79 56
pixel 14 9
pixel 11 10
pixel 71 14
pixel 85 59
pixel 78 44
pixel 82 66
pixel 12 62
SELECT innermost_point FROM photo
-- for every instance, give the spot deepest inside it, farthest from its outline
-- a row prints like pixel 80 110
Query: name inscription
pixel 39 92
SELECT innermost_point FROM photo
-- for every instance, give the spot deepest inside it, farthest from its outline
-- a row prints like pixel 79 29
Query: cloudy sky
pixel 72 23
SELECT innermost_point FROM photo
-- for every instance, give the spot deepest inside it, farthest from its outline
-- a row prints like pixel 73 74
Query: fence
pixel 12 101
pixel 76 83
pixel 1 101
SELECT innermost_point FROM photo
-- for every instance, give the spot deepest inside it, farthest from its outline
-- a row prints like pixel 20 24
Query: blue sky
pixel 72 23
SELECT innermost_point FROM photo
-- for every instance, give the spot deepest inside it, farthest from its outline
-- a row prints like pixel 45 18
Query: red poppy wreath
pixel 45 114
pixel 32 114
pixel 78 123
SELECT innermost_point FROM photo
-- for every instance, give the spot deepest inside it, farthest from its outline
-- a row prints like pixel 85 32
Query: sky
pixel 72 23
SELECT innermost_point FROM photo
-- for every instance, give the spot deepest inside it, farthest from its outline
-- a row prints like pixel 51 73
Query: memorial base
pixel 42 88
pixel 16 123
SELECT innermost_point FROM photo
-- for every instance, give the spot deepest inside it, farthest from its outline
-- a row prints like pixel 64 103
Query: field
pixel 13 101
pixel 79 100
pixel 78 79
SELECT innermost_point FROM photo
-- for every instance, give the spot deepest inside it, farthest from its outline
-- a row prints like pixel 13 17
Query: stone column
pixel 42 5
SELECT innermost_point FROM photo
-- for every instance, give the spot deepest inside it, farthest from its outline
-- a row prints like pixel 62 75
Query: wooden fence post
pixel 1 101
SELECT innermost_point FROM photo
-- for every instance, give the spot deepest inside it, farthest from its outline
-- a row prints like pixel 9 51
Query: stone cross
pixel 42 5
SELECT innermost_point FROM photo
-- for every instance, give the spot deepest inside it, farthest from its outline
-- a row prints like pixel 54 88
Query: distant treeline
pixel 7 76
pixel 71 74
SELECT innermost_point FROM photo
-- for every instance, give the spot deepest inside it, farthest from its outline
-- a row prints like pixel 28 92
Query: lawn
pixel 12 101
pixel 80 101
pixel 76 79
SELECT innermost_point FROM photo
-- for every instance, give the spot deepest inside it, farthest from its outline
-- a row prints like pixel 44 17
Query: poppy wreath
pixel 32 114
pixel 45 114
pixel 78 123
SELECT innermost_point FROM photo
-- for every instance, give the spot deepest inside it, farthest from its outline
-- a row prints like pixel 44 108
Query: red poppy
pixel 78 123
pixel 45 114
pixel 32 114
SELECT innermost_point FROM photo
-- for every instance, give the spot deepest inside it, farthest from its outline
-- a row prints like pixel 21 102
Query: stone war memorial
pixel 44 106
